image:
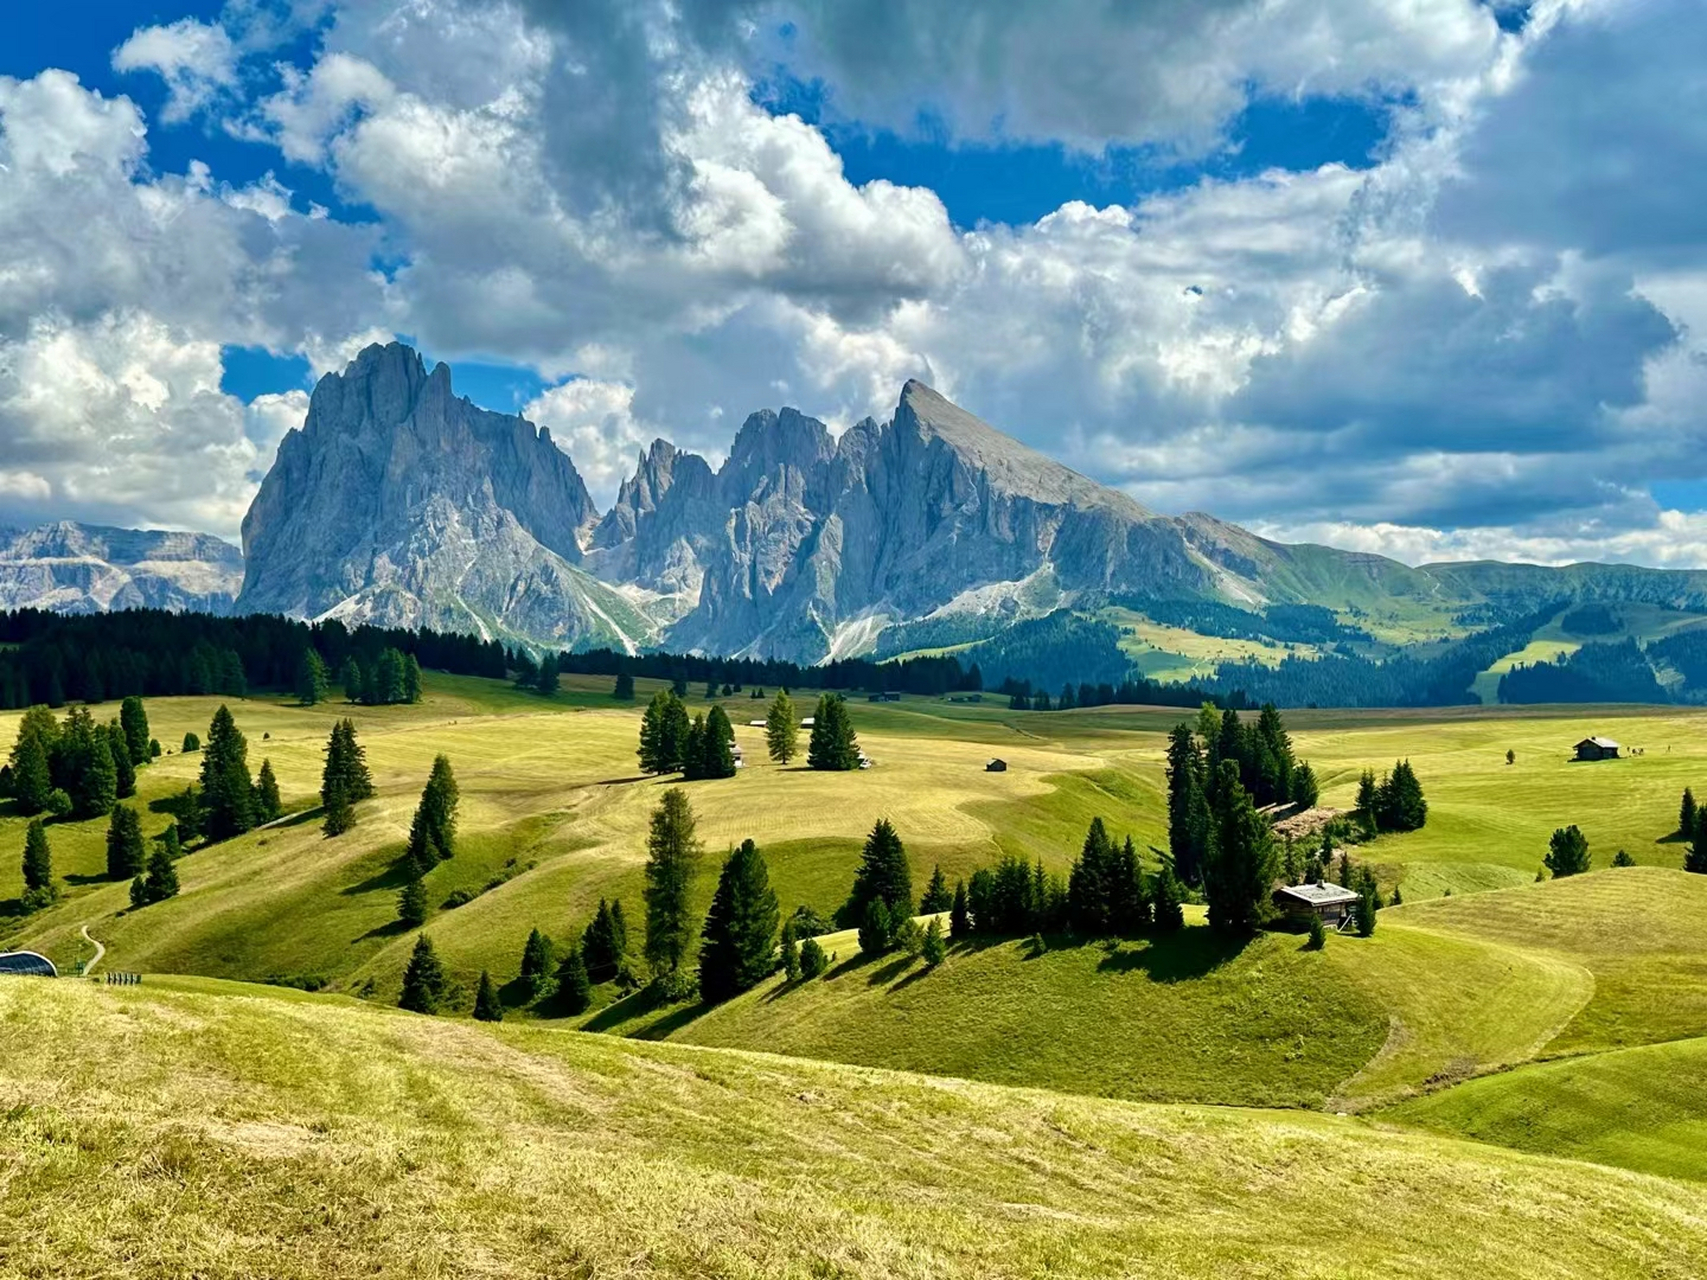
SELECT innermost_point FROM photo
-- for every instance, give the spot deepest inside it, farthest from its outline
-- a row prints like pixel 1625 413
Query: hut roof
pixel 1605 744
pixel 1316 895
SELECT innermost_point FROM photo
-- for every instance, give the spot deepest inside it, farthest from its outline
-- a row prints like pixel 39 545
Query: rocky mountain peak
pixel 769 440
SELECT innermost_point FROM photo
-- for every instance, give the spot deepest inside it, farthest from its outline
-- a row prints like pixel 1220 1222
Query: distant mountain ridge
pixel 81 568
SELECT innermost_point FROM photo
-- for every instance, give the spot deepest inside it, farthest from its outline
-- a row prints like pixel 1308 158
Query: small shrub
pixel 191 743
pixel 457 898
pixel 1318 934
pixel 910 938
pixel 935 946
pixel 812 959
pixel 1622 859
pixel 59 803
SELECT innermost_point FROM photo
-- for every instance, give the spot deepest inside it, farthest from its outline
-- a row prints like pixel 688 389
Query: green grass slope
pixel 156 1133
pixel 1644 1109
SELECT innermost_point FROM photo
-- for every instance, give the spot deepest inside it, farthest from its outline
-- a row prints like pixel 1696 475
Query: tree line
pixel 703 746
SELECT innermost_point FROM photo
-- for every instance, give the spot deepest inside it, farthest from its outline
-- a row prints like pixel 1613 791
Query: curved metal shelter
pixel 27 962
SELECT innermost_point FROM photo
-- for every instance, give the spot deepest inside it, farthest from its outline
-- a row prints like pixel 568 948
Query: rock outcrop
pixel 80 568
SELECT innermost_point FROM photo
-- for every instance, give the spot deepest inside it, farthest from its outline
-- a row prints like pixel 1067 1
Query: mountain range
pixel 399 503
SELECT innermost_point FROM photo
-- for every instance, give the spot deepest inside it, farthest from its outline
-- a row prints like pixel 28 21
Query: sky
pixel 1420 277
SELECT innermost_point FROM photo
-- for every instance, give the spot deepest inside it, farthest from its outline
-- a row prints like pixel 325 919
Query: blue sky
pixel 1350 270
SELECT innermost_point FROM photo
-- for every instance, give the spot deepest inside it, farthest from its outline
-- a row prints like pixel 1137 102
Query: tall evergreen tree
pixel 340 814
pixel 547 681
pixel 937 896
pixel 624 689
pixel 537 962
pixel 344 779
pixel 38 859
pixel 693 752
pixel 832 744
pixel 574 989
pixel 1567 852
pixel 168 841
pixel 960 914
pixel 1306 791
pixel 312 683
pixel 1686 814
pixel 162 879
pixel 432 832
pixel 133 719
pixel 227 790
pixel 353 680
pixel 739 947
pixel 1239 876
pixel 487 1006
pixel 1169 896
pixel 424 981
pixel 412 903
pixel 1129 907
pixel 1367 801
pixel 664 733
pixel 411 678
pixel 125 853
pixel 31 760
pixel 673 851
pixel 600 946
pixel 124 772
pixel 876 929
pixel 782 734
pixel 1399 803
pixel 1188 806
pixel 717 747
pixel 268 803
pixel 1088 887
pixel 884 872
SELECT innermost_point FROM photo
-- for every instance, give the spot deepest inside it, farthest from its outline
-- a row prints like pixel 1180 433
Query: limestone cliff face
pixel 400 504
pixel 80 568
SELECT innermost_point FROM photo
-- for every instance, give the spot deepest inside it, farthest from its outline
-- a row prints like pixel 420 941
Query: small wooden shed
pixel 1597 749
pixel 997 765
pixel 1332 902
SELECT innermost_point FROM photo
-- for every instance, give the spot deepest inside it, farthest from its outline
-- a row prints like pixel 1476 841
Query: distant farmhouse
pixel 998 765
pixel 1332 902
pixel 1597 749
pixel 28 963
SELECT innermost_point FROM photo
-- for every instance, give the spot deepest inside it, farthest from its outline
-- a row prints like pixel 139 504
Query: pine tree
pixel 790 953
pixel 876 929
pixel 673 851
pixel 1619 859
pixel 31 760
pixel 1088 885
pixel 340 814
pixel 162 880
pixel 1305 789
pixel 1188 808
pixel 600 947
pixel 432 831
pixel 38 859
pixel 268 804
pixel 1365 912
pixel 352 679
pixel 574 990
pixel 1129 908
pixel 717 756
pixel 1686 814
pixel 82 764
pixel 124 772
pixel 537 962
pixel 1366 802
pixel 138 894
pixel 187 809
pixel 1567 852
pixel 1169 895
pixel 344 780
pixel 1240 873
pixel 937 895
pixel 411 678
pixel 935 947
pixel 424 981
pixel 133 720
pixel 663 733
pixel 1318 934
pixel 487 1006
pixel 813 961
pixel 547 681
pixel 168 841
pixel 191 744
pixel 227 790
pixel 739 938
pixel 412 904
pixel 960 914
pixel 693 751
pixel 884 873
pixel 833 744
pixel 125 853
pixel 312 684
pixel 624 689
pixel 782 734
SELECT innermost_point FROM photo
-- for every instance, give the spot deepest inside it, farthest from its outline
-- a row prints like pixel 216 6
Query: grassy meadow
pixel 158 1132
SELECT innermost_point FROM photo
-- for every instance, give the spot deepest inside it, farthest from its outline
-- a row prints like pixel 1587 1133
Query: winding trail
pixel 100 950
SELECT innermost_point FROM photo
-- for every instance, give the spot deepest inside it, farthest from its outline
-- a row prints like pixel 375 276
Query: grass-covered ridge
pixel 160 1133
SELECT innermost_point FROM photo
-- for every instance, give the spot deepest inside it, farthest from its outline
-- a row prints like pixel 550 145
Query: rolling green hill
pixel 155 1133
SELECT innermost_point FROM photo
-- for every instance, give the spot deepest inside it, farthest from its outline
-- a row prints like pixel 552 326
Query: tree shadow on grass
pixel 1175 957
pixel 80 880
pixel 394 875
pixel 390 929
pixel 637 1004
pixel 517 993
pixel 1676 837
pixel 889 971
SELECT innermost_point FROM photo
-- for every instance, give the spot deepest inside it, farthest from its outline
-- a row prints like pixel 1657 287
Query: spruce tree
pixel 937 895
pixel 935 948
pixel 960 914
pixel 412 904
pixel 268 804
pixel 487 1006
pixel 312 683
pixel 876 929
pixel 1365 912
pixel 739 937
pixel 673 851
pixel 1318 934
pixel 664 733
pixel 782 734
pixel 619 928
pixel 1188 808
pixel 411 678
pixel 340 815
pixel 1619 859
pixel 693 751
pixel 124 772
pixel 191 744
pixel 344 779
pixel 1305 789
pixel 125 853
pixel 424 981
pixel 1088 883
pixel 884 873
pixel 832 744
pixel 352 679
pixel 547 681
pixel 599 945
pixel 38 859
pixel 537 962
pixel 717 747
pixel 133 719
pixel 1128 907
pixel 227 790
pixel 1686 814
pixel 1567 852
pixel 168 841
pixel 162 880
pixel 32 753
pixel 1240 872
pixel 790 953
pixel 1367 796
pixel 813 961
pixel 432 832
pixel 624 688
pixel 138 894
pixel 574 989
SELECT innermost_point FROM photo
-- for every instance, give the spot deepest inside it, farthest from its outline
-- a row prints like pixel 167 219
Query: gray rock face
pixel 400 504
pixel 80 568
